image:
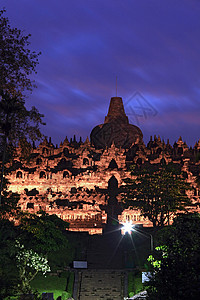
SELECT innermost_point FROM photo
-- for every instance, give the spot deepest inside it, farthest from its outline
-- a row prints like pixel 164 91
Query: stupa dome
pixel 116 128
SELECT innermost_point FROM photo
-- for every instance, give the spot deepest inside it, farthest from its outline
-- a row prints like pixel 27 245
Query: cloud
pixel 152 46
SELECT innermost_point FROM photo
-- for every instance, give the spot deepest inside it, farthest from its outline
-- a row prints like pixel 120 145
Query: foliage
pixel 8 269
pixel 16 64
pixel 18 265
pixel 17 123
pixel 158 191
pixel 49 284
pixel 70 284
pixel 134 283
pixel 130 284
pixel 61 258
pixel 17 61
pixel 8 207
pixel 176 264
pixel 42 232
pixel 157 263
pixel 65 296
pixel 29 263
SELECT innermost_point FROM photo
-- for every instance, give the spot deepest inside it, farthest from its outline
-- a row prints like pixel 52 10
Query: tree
pixel 42 232
pixel 16 64
pixel 8 270
pixel 9 208
pixel 176 263
pixel 29 263
pixel 17 61
pixel 158 191
pixel 37 236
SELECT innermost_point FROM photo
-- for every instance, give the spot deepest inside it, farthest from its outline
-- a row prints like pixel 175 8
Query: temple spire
pixel 116 111
pixel 116 86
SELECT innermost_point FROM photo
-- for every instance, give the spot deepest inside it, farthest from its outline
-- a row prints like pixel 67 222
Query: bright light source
pixel 127 227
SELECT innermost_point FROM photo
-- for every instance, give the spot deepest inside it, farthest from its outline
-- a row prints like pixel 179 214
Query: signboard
pixel 145 276
pixel 79 264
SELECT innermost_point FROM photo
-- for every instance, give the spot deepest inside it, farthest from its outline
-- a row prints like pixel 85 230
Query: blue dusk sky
pixel 152 46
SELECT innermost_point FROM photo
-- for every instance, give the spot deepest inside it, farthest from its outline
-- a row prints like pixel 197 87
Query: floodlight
pixel 127 227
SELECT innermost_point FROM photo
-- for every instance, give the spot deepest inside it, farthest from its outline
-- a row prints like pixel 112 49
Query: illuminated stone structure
pixel 80 181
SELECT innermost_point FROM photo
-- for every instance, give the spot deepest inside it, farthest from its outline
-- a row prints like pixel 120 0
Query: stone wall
pixel 79 173
pixel 72 180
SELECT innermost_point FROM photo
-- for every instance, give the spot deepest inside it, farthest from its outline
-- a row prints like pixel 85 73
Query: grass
pixel 58 260
pixel 53 284
pixel 70 283
pixel 138 286
pixel 134 283
pixel 130 283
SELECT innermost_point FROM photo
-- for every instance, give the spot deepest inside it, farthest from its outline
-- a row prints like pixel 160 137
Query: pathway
pixel 105 276
pixel 101 285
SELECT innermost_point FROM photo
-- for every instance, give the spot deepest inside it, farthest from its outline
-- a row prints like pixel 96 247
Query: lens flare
pixel 127 227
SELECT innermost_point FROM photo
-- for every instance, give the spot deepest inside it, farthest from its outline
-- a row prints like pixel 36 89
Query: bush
pixel 50 284
pixel 55 284
pixel 130 283
pixel 65 296
pixel 138 287
pixel 134 283
pixel 70 284
pixel 131 294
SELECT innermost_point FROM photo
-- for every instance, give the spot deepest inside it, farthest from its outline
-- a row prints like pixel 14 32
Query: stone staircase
pixel 101 285
pixel 104 278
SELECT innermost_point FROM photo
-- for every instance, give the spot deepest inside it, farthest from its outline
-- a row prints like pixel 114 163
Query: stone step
pixel 101 284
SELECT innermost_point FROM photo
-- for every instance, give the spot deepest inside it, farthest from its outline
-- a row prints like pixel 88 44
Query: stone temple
pixel 116 129
pixel 81 181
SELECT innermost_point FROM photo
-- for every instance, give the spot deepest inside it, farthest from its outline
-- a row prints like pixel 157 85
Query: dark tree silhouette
pixel 16 64
pixel 176 263
pixel 158 191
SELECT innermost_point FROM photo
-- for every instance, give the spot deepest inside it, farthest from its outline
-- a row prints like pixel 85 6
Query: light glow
pixel 127 227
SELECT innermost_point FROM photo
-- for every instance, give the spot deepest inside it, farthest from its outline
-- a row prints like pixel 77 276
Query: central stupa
pixel 116 128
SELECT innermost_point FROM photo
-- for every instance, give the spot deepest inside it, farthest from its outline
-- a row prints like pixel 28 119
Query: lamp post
pixel 128 227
